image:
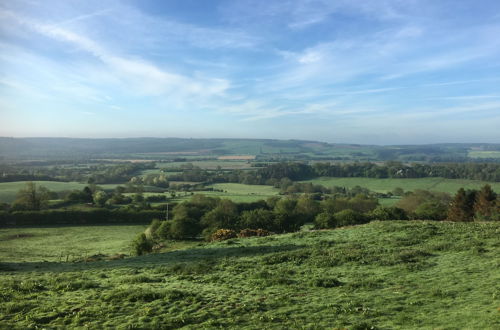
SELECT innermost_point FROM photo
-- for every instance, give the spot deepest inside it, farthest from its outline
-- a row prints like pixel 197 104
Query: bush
pixel 151 231
pixel 163 231
pixel 388 213
pixel 254 232
pixel 223 234
pixel 324 220
pixel 183 228
pixel 142 245
pixel 349 217
pixel 259 218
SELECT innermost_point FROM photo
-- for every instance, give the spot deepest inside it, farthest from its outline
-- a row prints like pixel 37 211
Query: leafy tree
pixel 307 208
pixel 398 191
pixel 411 202
pixel 31 197
pixel 324 220
pixel 82 196
pixel 138 198
pixel 286 217
pixel 388 213
pixel 224 215
pixel 255 219
pixel 142 245
pixel 100 198
pixel 431 210
pixel 349 217
pixel 182 228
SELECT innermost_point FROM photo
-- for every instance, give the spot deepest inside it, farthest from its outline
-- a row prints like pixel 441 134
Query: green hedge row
pixel 59 217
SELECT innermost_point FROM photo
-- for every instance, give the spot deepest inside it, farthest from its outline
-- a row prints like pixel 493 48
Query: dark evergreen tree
pixel 460 208
pixel 484 206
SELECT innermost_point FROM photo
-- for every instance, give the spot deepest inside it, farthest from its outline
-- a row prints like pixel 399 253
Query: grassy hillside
pixel 384 185
pixel 380 275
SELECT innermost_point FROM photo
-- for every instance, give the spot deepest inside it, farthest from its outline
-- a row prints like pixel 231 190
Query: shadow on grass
pixel 150 260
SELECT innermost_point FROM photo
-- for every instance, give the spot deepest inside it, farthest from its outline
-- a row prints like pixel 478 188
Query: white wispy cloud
pixel 143 75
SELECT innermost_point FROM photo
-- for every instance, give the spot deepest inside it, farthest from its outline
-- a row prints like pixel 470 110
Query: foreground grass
pixel 385 185
pixel 380 275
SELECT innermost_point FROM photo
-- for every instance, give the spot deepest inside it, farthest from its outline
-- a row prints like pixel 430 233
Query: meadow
pixel 242 192
pixel 386 185
pixel 8 190
pixel 484 154
pixel 30 244
pixel 237 192
pixel 382 275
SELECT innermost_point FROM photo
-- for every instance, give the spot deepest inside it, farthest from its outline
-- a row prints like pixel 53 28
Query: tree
pixel 431 210
pixel 31 197
pixel 324 220
pixel 307 208
pixel 100 198
pixel 388 213
pixel 484 206
pixel 460 208
pixel 398 191
pixel 423 204
pixel 142 245
pixel 255 219
pixel 223 216
pixel 286 217
pixel 349 217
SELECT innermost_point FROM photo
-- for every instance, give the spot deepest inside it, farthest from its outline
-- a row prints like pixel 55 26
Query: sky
pixel 341 71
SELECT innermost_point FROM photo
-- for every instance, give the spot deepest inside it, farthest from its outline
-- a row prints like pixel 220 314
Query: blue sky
pixel 372 72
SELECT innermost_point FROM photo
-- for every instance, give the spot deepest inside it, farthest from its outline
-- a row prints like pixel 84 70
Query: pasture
pixel 483 154
pixel 8 190
pixel 36 244
pixel 209 164
pixel 238 192
pixel 385 185
pixel 403 274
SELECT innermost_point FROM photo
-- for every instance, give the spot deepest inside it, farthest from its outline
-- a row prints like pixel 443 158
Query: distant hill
pixel 16 149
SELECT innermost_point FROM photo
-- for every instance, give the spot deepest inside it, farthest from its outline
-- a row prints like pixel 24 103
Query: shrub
pixel 163 231
pixel 182 228
pixel 153 228
pixel 349 217
pixel 258 218
pixel 324 220
pixel 388 213
pixel 142 245
pixel 223 234
pixel 254 232
pixel 431 211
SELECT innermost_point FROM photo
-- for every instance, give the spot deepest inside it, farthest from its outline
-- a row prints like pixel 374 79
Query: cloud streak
pixel 337 63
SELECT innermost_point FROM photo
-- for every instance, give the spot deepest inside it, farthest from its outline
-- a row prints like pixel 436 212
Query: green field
pixel 484 154
pixel 209 164
pixel 54 243
pixel 242 192
pixel 385 185
pixel 8 190
pixel 237 192
pixel 383 275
